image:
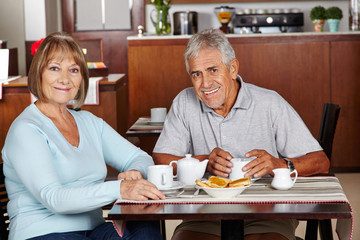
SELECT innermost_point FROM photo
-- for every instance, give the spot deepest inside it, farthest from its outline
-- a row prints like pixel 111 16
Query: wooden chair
pixel 327 128
pixel 328 124
pixel 4 219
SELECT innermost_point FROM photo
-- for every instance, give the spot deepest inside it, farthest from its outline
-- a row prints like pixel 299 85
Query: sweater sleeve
pixel 123 155
pixel 32 173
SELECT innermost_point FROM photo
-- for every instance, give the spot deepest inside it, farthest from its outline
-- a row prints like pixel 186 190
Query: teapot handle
pixel 296 175
pixel 151 16
pixel 171 165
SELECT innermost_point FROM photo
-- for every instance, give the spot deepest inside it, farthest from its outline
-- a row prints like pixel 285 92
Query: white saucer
pixel 176 185
pixel 155 123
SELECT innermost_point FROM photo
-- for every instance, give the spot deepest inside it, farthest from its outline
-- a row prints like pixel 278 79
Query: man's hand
pixel 263 164
pixel 219 163
pixel 130 175
pixel 140 190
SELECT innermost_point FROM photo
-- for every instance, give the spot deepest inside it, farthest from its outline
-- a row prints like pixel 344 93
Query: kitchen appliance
pixel 268 21
pixel 185 23
pixel 225 15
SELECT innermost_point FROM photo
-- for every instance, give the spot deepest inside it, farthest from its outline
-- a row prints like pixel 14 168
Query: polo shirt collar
pixel 243 99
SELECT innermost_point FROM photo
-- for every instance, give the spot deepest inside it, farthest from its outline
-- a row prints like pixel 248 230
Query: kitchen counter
pixel 290 34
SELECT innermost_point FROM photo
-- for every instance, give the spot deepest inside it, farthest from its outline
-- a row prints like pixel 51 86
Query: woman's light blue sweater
pixel 56 187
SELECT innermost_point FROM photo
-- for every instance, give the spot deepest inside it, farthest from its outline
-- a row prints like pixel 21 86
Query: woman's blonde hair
pixel 58 44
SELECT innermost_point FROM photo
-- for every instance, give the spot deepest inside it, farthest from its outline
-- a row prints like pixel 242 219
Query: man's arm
pixel 165 159
pixel 310 164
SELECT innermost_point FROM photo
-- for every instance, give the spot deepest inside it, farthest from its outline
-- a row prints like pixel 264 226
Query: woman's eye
pixel 53 68
pixel 74 70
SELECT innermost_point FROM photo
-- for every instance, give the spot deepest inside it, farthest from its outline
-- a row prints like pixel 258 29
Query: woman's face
pixel 61 79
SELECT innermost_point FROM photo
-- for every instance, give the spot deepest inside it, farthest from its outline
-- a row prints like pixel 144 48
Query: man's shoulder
pixel 262 93
pixel 187 94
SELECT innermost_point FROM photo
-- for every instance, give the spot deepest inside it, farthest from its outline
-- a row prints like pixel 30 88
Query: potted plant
pixel 333 16
pixel 317 16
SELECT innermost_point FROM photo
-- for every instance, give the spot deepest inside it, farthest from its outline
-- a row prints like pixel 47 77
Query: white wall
pixel 35 19
pixel 207 18
pixel 26 20
pixel 12 28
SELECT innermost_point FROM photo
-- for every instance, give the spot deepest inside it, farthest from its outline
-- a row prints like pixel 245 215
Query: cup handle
pixel 296 175
pixel 163 179
pixel 174 176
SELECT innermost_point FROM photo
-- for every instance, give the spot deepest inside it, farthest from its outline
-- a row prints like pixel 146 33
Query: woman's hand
pixel 140 190
pixel 130 175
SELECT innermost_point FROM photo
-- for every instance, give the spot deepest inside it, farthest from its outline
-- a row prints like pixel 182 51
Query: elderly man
pixel 222 117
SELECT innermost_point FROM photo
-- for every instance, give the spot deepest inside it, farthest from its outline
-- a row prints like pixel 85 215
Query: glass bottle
pixel 354 15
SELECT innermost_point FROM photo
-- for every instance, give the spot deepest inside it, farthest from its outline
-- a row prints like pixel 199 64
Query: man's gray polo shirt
pixel 259 119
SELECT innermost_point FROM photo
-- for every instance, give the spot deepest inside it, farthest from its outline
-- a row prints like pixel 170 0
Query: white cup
pixel 238 164
pixel 158 115
pixel 161 176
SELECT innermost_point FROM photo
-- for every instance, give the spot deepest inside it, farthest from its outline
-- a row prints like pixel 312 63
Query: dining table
pixel 144 128
pixel 311 198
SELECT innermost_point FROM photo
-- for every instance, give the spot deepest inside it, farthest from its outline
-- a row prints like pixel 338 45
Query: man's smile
pixel 211 91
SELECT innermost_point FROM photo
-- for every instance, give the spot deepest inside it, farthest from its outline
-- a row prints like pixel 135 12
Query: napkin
pixel 92 97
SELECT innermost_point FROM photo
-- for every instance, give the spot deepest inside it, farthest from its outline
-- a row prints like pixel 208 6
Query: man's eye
pixel 213 70
pixel 195 75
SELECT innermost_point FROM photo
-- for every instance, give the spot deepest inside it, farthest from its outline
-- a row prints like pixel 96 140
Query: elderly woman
pixel 55 158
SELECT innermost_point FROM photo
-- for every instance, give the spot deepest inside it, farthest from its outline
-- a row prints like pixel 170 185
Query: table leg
pixel 163 229
pixel 311 229
pixel 232 229
pixel 325 229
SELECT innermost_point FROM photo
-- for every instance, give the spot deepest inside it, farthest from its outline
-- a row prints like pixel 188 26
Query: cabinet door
pixel 156 75
pixel 345 88
pixel 299 72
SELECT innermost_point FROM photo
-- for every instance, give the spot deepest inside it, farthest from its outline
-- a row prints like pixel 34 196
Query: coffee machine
pixel 225 15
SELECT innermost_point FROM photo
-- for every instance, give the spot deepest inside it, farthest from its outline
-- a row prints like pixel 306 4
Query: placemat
pixel 305 190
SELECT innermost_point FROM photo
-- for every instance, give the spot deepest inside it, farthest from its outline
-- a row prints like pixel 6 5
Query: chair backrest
pixel 329 120
pixel 4 218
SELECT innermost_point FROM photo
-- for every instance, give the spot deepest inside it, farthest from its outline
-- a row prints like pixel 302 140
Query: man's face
pixel 214 84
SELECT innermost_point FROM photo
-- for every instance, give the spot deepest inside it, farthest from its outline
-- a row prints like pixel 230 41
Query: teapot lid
pixel 189 158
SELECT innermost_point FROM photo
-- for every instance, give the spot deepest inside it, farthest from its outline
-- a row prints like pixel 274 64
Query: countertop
pixel 154 36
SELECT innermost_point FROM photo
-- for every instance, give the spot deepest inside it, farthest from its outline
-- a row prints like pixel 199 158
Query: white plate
pixel 176 185
pixel 155 123
pixel 224 192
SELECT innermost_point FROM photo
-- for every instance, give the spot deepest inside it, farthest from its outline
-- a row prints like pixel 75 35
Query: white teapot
pixel 189 169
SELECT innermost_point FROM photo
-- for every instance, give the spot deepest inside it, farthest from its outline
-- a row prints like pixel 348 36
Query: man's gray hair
pixel 209 38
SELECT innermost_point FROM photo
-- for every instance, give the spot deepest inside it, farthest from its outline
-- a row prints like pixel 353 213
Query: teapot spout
pixel 200 169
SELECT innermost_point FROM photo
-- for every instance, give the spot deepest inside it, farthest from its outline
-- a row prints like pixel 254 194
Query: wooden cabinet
pixel 308 70
pixel 345 89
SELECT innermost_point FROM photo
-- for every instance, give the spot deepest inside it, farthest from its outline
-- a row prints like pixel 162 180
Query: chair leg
pixel 325 229
pixel 311 229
